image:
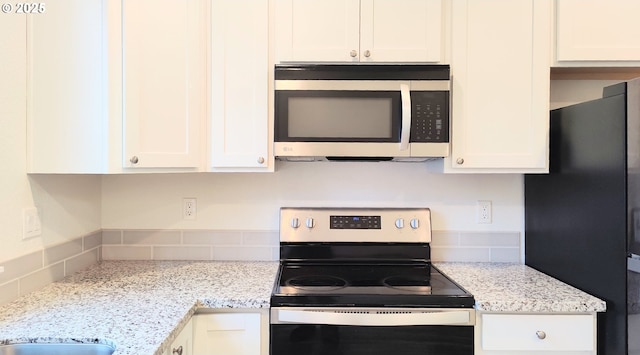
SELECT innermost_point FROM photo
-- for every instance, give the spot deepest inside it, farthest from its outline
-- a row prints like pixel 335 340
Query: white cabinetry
pixel 241 83
pixel 182 345
pixel 230 334
pixel 506 334
pixel 164 85
pixel 66 93
pixel 359 30
pixel 111 82
pixel 500 64
pixel 597 33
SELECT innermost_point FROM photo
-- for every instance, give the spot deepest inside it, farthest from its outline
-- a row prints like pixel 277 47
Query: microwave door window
pixel 343 118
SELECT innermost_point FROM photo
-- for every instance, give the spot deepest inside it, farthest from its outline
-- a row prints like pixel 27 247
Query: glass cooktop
pixel 372 285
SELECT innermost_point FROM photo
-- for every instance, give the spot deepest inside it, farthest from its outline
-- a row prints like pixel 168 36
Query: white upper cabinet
pixel 66 94
pixel 597 33
pixel 241 79
pixel 359 30
pixel 500 64
pixel 164 82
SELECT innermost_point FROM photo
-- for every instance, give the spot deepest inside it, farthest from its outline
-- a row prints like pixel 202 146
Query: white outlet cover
pixel 31 226
pixel 484 212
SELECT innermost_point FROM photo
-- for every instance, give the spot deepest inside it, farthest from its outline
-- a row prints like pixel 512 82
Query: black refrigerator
pixel 582 220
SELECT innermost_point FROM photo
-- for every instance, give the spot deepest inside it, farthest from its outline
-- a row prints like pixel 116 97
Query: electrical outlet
pixel 31 226
pixel 189 208
pixel 484 212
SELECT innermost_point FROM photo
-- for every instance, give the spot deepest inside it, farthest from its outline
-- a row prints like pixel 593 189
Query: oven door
pixel 358 331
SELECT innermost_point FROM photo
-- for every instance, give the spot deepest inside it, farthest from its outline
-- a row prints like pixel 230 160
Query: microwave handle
pixel 405 134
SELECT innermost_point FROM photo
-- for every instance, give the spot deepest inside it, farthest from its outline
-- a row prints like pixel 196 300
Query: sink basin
pixel 56 349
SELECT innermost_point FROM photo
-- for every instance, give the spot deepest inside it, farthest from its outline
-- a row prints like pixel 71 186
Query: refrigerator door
pixel 576 216
pixel 633 303
pixel 633 164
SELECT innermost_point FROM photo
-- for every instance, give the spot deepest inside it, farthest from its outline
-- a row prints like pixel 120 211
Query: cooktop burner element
pixel 316 282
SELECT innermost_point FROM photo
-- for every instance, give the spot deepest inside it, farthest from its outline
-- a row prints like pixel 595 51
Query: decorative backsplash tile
pixel 476 246
pixel 36 270
pixel 190 245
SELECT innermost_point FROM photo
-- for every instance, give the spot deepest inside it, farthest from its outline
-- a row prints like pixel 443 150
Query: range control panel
pixel 380 225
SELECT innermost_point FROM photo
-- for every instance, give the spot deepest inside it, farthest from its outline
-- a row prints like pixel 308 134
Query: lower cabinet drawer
pixel 538 332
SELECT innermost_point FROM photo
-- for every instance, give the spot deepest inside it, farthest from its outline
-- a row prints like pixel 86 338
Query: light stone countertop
pixel 137 306
pixel 512 287
pixel 140 306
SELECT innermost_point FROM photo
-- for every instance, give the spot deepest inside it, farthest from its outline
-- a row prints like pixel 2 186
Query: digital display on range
pixel 354 222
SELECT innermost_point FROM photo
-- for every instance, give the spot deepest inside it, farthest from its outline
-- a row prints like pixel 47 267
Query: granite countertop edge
pixel 127 296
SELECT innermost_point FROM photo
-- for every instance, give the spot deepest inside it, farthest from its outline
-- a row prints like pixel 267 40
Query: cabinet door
pixel 401 30
pixel 500 97
pixel 240 73
pixel 512 333
pixel 66 113
pixel 163 82
pixel 227 334
pixel 318 30
pixel 182 345
pixel 597 30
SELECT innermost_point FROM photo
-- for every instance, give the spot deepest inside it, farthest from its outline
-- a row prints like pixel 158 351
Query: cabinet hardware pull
pixel 541 334
pixel 260 160
pixel 367 53
pixel 353 53
pixel 177 351
pixel 460 161
pixel 134 160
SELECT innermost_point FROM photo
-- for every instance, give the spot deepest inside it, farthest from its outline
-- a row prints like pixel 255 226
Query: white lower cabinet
pixel 183 343
pixel 230 333
pixel 507 334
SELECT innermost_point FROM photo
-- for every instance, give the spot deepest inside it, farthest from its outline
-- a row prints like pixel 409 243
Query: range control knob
pixel 415 223
pixel 295 223
pixel 400 223
pixel 310 223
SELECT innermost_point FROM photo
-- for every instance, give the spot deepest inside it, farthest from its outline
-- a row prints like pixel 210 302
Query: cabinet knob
pixel 541 334
pixel 260 160
pixel 134 160
pixel 353 53
pixel 367 53
pixel 177 351
pixel 460 161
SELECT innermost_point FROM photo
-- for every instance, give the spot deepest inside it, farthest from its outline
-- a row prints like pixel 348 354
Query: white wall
pixel 69 205
pixel 251 201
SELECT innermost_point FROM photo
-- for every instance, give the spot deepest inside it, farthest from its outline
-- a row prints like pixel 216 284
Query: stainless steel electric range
pixel 356 281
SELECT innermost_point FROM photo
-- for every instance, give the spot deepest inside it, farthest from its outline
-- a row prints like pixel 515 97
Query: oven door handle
pixel 364 318
pixel 405 134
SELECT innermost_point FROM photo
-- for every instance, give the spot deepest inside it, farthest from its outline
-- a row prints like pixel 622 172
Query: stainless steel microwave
pixel 362 112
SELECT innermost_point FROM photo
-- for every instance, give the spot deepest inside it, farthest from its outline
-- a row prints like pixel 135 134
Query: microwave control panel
pixel 429 116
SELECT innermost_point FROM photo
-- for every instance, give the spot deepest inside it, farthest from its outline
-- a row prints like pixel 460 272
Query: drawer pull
pixel 541 334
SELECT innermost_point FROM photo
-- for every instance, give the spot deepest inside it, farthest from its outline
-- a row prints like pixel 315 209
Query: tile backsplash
pixel 35 270
pixel 263 245
pixel 189 245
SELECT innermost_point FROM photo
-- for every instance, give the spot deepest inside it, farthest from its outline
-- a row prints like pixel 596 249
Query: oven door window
pixel 296 339
pixel 338 116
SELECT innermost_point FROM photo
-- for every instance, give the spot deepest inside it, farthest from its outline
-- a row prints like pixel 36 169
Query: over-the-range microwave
pixel 362 111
